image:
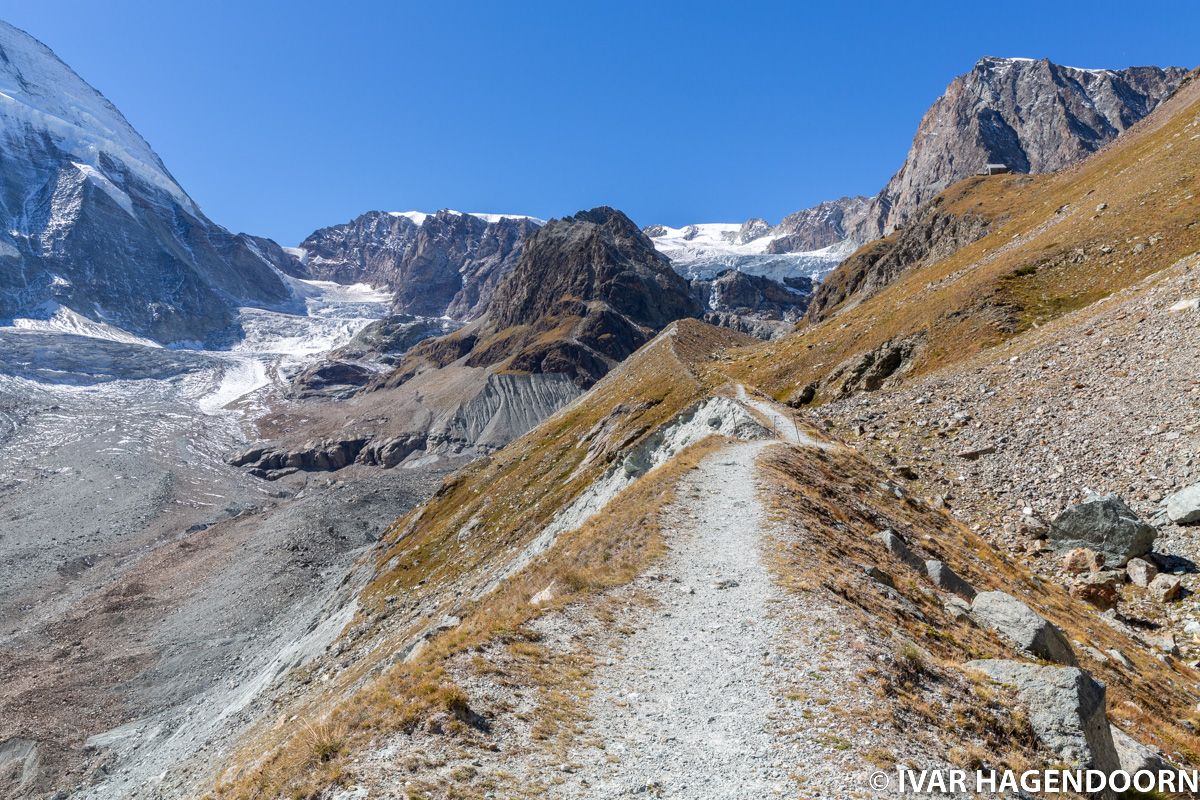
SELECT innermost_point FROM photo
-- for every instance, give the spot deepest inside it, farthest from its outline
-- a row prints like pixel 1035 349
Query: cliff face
pixel 447 263
pixel 939 228
pixel 92 221
pixel 822 225
pixel 1033 116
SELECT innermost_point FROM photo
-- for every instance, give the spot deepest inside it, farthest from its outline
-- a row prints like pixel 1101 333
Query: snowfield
pixel 704 251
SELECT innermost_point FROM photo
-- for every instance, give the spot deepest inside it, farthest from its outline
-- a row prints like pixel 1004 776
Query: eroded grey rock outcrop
pixel 1104 524
pixel 1066 709
pixel 1023 626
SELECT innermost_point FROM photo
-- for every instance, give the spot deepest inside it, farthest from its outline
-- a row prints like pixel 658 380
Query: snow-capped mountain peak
pixel 39 92
pixel 419 217
pixel 93 227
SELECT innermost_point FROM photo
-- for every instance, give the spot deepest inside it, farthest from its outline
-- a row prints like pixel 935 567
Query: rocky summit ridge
pixel 1031 115
pixel 443 264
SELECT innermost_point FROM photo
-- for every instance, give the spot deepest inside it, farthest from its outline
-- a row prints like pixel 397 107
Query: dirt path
pixel 684 710
pixel 782 426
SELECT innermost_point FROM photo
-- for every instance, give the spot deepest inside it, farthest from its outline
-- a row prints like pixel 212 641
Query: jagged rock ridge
pixel 1031 115
pixel 447 263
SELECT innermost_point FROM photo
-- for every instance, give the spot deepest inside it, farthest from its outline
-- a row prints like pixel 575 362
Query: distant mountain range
pixel 96 227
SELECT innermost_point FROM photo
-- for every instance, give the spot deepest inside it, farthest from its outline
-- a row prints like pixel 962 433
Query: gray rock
pixel 1165 588
pixel 1135 756
pixel 1106 525
pixel 948 580
pixel 899 548
pixel 1066 709
pixel 1140 572
pixel 1023 626
pixel 1183 507
pixel 956 607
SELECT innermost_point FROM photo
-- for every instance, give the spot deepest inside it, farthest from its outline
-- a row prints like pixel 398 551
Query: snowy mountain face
pixel 92 222
pixel 701 252
pixel 443 264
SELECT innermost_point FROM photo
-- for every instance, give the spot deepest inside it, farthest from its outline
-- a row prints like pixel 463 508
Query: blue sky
pixel 279 118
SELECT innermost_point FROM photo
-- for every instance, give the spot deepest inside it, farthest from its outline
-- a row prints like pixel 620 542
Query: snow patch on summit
pixel 419 217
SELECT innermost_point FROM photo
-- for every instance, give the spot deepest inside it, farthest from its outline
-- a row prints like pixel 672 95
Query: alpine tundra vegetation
pixel 453 504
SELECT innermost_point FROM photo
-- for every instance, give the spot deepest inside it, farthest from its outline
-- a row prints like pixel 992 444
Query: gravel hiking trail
pixel 683 707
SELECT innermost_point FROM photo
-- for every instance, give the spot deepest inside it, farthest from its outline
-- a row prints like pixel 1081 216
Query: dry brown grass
pixel 837 499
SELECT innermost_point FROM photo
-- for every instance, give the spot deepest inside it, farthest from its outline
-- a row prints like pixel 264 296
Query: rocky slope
pixel 1032 115
pixel 821 226
pixel 586 292
pixel 93 222
pixel 443 264
pixel 950 221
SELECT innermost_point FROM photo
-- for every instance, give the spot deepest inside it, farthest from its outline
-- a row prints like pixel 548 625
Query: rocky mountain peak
pixel 93 222
pixel 443 263
pixel 1031 115
pixel 596 255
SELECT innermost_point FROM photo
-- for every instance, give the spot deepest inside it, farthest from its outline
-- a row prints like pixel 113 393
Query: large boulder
pixel 1066 710
pixel 1183 507
pixel 948 580
pixel 1023 626
pixel 1104 524
pixel 1135 756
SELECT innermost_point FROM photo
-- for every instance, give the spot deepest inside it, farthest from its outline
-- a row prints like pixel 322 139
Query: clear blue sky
pixel 281 117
